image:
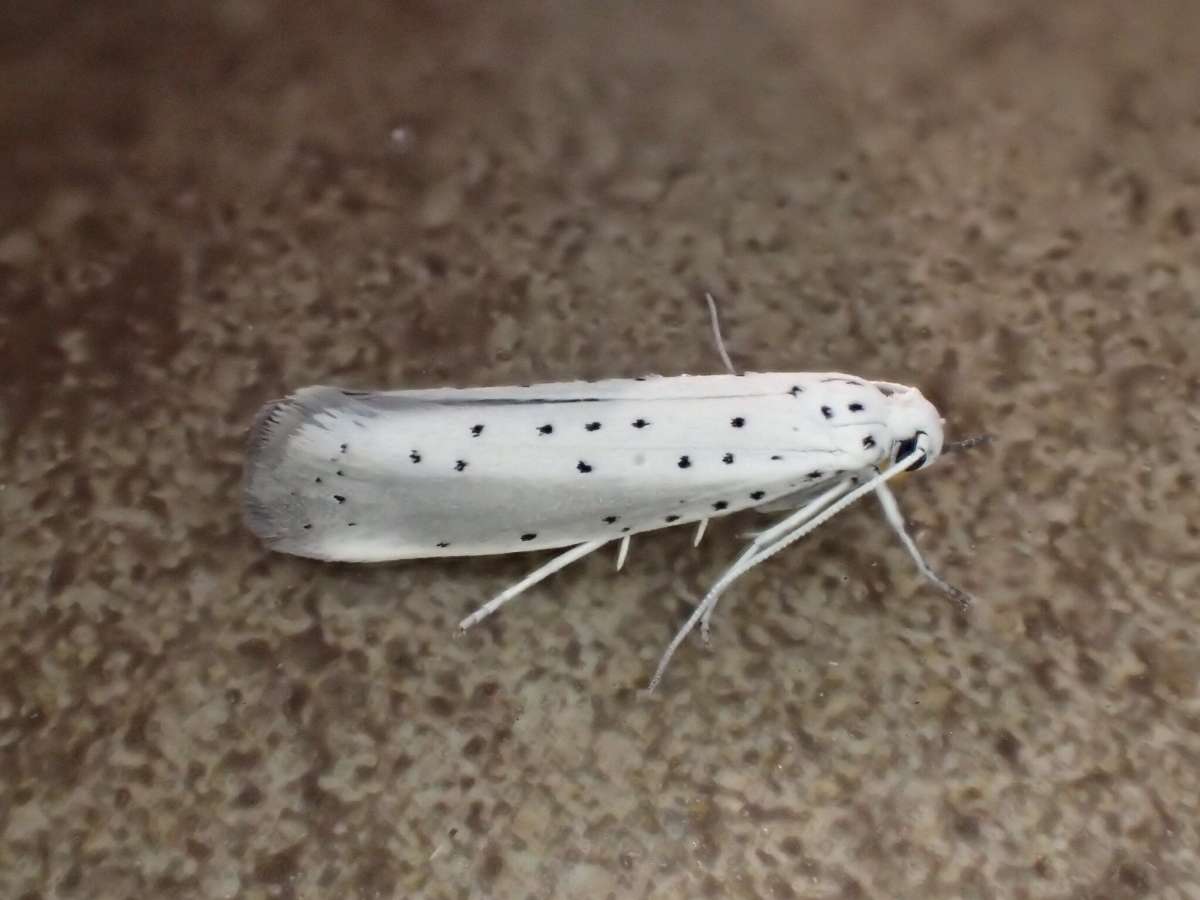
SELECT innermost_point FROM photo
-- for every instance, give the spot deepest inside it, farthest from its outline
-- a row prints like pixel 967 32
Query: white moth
pixel 371 476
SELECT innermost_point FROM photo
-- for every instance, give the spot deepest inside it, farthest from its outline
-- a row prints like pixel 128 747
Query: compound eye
pixel 908 446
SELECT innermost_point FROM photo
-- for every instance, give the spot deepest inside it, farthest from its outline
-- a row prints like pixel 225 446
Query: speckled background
pixel 204 205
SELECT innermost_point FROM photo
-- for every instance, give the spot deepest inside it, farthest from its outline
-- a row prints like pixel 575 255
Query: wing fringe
pixel 268 509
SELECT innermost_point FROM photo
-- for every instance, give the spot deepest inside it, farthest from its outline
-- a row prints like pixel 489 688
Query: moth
pixel 370 476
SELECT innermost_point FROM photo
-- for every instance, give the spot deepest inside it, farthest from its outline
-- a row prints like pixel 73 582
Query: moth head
pixel 915 426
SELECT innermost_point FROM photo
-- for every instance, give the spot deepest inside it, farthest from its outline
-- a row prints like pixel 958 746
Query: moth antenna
pixel 716 327
pixel 967 443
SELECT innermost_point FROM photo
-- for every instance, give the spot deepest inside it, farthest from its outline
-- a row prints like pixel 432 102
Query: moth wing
pixel 359 476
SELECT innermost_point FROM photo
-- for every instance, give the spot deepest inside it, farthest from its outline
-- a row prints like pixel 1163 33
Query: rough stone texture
pixel 203 205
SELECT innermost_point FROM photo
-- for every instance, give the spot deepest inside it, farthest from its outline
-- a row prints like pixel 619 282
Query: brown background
pixel 204 205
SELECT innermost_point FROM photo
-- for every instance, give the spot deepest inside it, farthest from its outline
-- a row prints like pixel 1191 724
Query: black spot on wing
pixel 685 462
pixel 583 467
pixel 738 422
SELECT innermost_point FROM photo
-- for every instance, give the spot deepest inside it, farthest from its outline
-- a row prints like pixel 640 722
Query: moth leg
pixel 622 553
pixel 776 532
pixel 716 327
pixel 808 518
pixel 790 531
pixel 705 605
pixel 561 561
pixel 891 512
pixel 797 517
pixel 700 532
pixel 776 538
pixel 749 557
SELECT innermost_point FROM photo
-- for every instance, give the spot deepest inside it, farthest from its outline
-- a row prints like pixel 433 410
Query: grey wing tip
pixel 262 507
pixel 270 509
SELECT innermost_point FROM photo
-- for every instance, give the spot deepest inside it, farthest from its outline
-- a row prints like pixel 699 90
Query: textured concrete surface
pixel 203 205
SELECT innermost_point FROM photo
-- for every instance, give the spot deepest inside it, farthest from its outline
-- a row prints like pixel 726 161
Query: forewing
pixel 372 476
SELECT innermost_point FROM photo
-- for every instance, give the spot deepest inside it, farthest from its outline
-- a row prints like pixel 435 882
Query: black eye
pixel 907 446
